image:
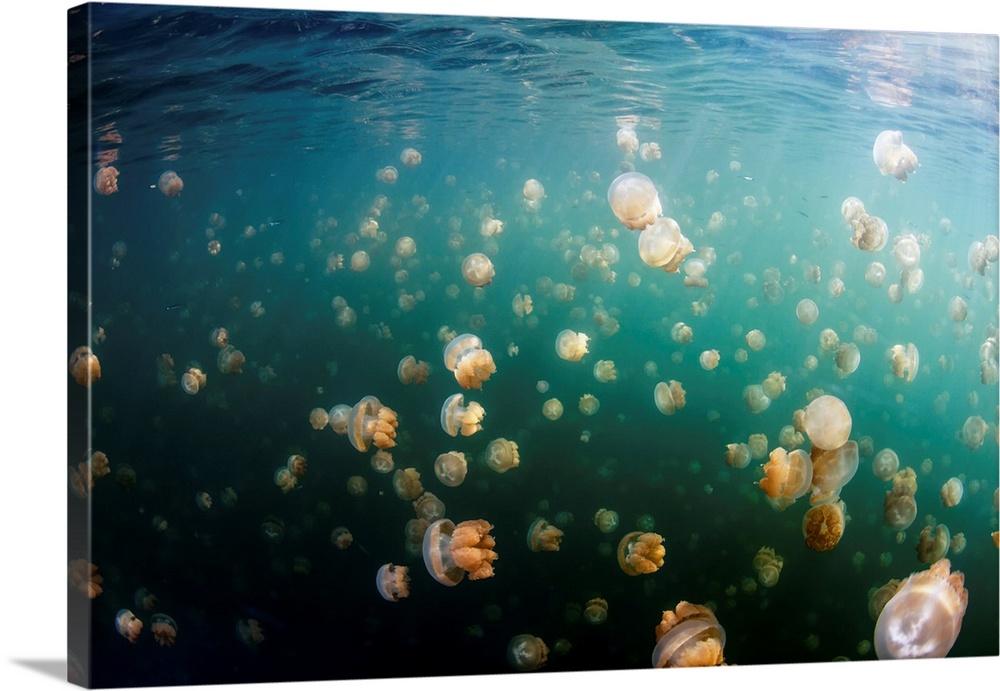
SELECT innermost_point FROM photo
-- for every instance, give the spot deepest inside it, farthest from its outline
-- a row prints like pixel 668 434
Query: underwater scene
pixel 415 345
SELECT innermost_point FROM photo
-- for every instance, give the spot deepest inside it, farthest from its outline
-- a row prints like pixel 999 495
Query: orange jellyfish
pixel 526 652
pixel 429 507
pixel 170 184
pixel 737 455
pixel 640 553
pixel 457 417
pixel 369 423
pixel 662 245
pixel 787 476
pixel 767 565
pixel 552 409
pixel 634 200
pixel 832 470
pixel 341 538
pixel 900 506
pixel 410 371
pixel 164 629
pixel 297 464
pixel 823 526
pixel 318 418
pixel 827 422
pixel 471 363
pixel 84 366
pixel 589 404
pixel 924 617
pixel 128 625
pixel 393 582
pixel 477 269
pixel 106 180
pixel 502 455
pixel 339 416
pixel 451 468
pixel 669 397
pixel 285 479
pixel 231 360
pixel 406 483
pixel 543 536
pixel 571 345
pixel 84 577
pixel 596 611
pixel 450 551
pixel 689 636
pixel 933 543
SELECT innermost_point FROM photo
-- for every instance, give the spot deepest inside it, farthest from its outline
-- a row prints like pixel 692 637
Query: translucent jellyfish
pixel 477 269
pixel 370 422
pixel 450 551
pixel 457 417
pixel 767 565
pixel 170 184
pixel 84 577
pixel 627 140
pixel 634 200
pixel 885 464
pixel 958 543
pixel 429 507
pixel 662 245
pixel 694 273
pixel 502 455
pixel 533 190
pixel 878 597
pixel 605 371
pixel 892 156
pixel 755 399
pixel 823 526
pixel 606 520
pixel 571 345
pixel 596 611
pixel 846 359
pixel 681 333
pixel 249 632
pixel 756 340
pixel 341 538
pixel 543 536
pixel 84 366
pixel 393 582
pixel 974 431
pixel 669 397
pixel 387 174
pixel 203 500
pixel 640 553
pixel 410 157
pixel 906 250
pixel 128 625
pixel 589 405
pixel 787 476
pixel 829 341
pixel 709 359
pixel 469 361
pixel 230 360
pixel 774 385
pixel 193 380
pixel 357 486
pixel 924 617
pixel 285 479
pixel 526 652
pixel 952 491
pixel 912 280
pixel 827 422
pixel 806 311
pixel 737 455
pixel 164 629
pixel 552 409
pixel 411 371
pixel 900 507
pixel 832 470
pixel 757 444
pixel 106 180
pixel 406 484
pixel 958 308
pixel 689 636
pixel 339 416
pixel 933 543
pixel 450 468
pixel 851 209
pixel 870 233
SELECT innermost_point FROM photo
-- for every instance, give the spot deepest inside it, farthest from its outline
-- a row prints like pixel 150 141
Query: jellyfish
pixel 900 506
pixel 596 611
pixel 533 190
pixel 662 245
pixel 84 577
pixel 406 483
pixel 689 636
pixel 526 652
pixel 106 180
pixel 552 409
pixel 755 399
pixel 543 536
pixel 846 359
pixel 870 233
pixel 634 200
pixel 878 597
pixel 589 404
pixel 450 468
pixel 128 625
pixel 756 340
pixel 829 341
pixel 502 455
pixel 774 385
pixel 767 565
pixel 297 464
pixel 250 633
pixel 627 140
pixel 640 553
pixel 339 416
pixel 393 582
pixel 885 464
pixel 905 361
pixel 709 359
pixel 318 418
pixel 450 551
pixel 806 311
pixel 164 629
pixel 974 431
pixel 852 208
pixel 457 417
pixel 832 470
pixel 827 422
pixel 370 422
pixel 477 269
pixel 924 617
pixel 203 500
pixel 84 366
pixel 669 397
pixel 823 526
pixel 892 156
pixel 341 538
pixel 411 371
pixel 933 543
pixel 571 346
pixel 429 507
pixel 170 184
pixel 951 492
pixel 737 455
pixel 906 250
pixel 357 486
pixel 231 360
pixel 605 372
pixel 787 476
pixel 469 361
pixel 285 479
pixel 958 543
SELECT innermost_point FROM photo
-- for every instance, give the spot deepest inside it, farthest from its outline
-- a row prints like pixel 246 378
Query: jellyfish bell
pixel 170 184
pixel 502 455
pixel 542 536
pixel 827 421
pixel 450 551
pixel 339 415
pixel 900 507
pixel 852 208
pixel 952 491
pixel 84 366
pixel 906 250
pixel 128 625
pixel 106 180
pixel 755 399
pixel 933 543
pixel 640 553
pixel 370 422
pixel 892 156
pixel 737 455
pixel 393 582
pixel 832 470
pixel 451 468
pixel 787 476
pixel 477 269
pixel 885 464
pixel 974 431
pixel 571 346
pixel 870 233
pixel 823 526
pixel 456 417
pixel 669 397
pixel 924 617
pixel 905 361
pixel 689 636
pixel 662 245
pixel 526 652
pixel 806 311
pixel 634 200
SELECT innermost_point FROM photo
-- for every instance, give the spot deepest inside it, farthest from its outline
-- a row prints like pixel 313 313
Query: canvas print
pixel 411 345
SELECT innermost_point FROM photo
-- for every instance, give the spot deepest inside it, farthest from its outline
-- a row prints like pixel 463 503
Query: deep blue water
pixel 288 116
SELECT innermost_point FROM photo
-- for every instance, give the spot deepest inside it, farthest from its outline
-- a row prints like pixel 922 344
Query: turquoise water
pixel 278 124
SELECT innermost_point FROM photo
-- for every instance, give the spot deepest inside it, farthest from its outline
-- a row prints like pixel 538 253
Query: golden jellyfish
pixel 885 464
pixel 737 455
pixel 341 538
pixel 878 597
pixel 589 404
pixel 952 491
pixel 571 346
pixel 846 359
pixel 832 470
pixel 84 366
pixel 892 156
pixel 689 636
pixel 297 464
pixel 755 399
pixel 552 409
pixel 829 341
pixel 285 479
pixel 827 422
pixel 106 180
pixel 429 507
pixel 477 269
pixel 958 308
pixel 543 536
pixel 84 577
pixel 709 359
pixel 605 371
pixel 469 361
pixel 634 200
pixel 406 483
pixel 870 233
pixel 533 190
pixel 905 361
pixel 669 397
pixel 357 486
pixel 774 385
pixel 823 526
pixel 933 543
pixel 502 455
pixel 627 140
pixel 662 245
pixel 974 431
pixel 318 418
pixel 606 520
pixel 900 506
pixel 596 611
pixel 924 617
pixel 370 422
pixel 806 311
pixel 410 157
pixel 767 565
pixel 906 250
pixel 851 209
pixel 787 476
pixel 650 151
pixel 457 417
pixel 387 174
pixel 163 628
pixel 128 625
pixel 339 416
pixel 170 184
pixel 681 333
pixel 526 652
pixel 756 340
pixel 219 337
pixel 958 543
pixel 411 371
pixel 451 468
pixel 757 444
pixel 450 551
pixel 640 553
pixel 406 247
pixel 393 582
pixel 360 261
pixel 231 360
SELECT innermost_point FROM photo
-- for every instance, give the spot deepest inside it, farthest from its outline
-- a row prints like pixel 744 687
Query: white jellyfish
pixel 892 156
